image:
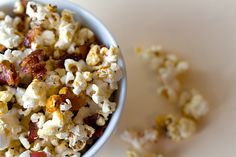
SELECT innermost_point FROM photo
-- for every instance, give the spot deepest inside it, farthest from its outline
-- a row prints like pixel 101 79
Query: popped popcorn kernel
pixel 176 128
pixel 194 104
pixel 3 108
pixel 93 57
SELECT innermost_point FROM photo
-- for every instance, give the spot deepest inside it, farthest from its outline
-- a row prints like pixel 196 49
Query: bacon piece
pixel 38 154
pixel 31 35
pixel 8 74
pixel 35 64
pixel 84 50
pixel 91 120
pixel 98 132
pixel 76 101
pixel 33 132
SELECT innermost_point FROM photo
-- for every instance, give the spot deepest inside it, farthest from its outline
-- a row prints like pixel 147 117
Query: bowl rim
pixel 123 83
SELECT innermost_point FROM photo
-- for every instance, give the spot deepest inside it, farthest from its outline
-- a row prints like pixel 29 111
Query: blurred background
pixel 202 32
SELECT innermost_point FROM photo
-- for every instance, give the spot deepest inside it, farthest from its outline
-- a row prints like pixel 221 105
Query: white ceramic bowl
pixel 103 34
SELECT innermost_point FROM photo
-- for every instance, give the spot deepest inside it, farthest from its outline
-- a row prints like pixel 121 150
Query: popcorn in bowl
pixel 57 83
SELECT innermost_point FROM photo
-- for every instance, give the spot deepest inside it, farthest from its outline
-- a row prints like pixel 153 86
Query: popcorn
pixel 25 154
pixel 36 146
pixel 18 7
pixel 68 79
pixel 9 128
pixel 2 15
pixel 69 152
pixel 3 108
pixel 96 93
pixel 65 106
pixel 111 74
pixel 51 127
pixel 133 153
pixel 93 57
pixel 107 108
pixel 177 128
pixel 8 37
pixel 6 96
pixel 193 104
pixel 67 30
pixel 10 153
pixel 79 84
pixel 111 55
pixel 80 134
pixel 73 66
pixel 85 36
pixel 53 83
pixel 24 141
pixel 19 94
pixel 48 38
pixel 35 94
pixel 16 22
pixel 4 141
pixel 138 140
pixel 101 121
pixel 38 118
pixel 41 15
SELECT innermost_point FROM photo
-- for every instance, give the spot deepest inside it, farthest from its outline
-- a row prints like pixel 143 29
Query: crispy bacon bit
pixel 84 50
pixel 33 132
pixel 35 64
pixel 31 35
pixel 8 74
pixel 76 101
pixel 2 48
pixel 91 120
pixel 38 154
pixel 98 132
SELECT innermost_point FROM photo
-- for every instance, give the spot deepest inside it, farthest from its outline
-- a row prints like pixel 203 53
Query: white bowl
pixel 103 34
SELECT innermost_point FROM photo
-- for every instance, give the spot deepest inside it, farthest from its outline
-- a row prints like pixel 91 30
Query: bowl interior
pixel 105 37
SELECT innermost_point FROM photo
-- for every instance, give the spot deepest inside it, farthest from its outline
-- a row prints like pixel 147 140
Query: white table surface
pixel 201 31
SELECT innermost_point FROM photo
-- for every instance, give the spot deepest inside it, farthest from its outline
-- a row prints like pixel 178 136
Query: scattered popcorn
pixel 138 140
pixel 50 84
pixel 193 104
pixel 133 153
pixel 176 128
